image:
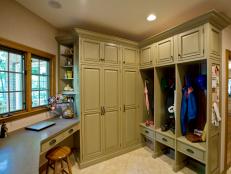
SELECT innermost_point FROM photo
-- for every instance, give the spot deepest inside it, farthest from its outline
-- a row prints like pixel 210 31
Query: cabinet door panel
pixel 91 89
pixel 129 81
pixel 92 135
pixel 111 53
pixel 215 43
pixel 165 51
pixel 111 88
pixel 191 44
pixel 130 127
pixel 91 50
pixel 129 56
pixel 146 56
pixel 112 133
pixel 112 108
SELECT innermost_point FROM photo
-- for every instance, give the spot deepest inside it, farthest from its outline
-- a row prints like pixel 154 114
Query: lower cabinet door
pixel 112 132
pixel 130 127
pixel 92 136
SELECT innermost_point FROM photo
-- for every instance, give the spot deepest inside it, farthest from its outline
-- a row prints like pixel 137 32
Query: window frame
pixel 29 52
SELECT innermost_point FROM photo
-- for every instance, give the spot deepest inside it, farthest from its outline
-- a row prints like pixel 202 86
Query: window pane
pixel 3 81
pixel 35 66
pixel 3 60
pixel 3 103
pixel 16 62
pixel 35 98
pixel 43 82
pixel 16 101
pixel 43 67
pixel 16 82
pixel 43 97
pixel 35 82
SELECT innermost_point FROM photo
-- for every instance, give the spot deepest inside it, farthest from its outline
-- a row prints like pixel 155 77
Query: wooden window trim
pixel 29 111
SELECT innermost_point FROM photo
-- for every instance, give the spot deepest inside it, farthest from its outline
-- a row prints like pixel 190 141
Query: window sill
pixel 24 114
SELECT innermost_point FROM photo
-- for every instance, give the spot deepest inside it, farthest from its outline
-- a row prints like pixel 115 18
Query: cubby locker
pixel 191 113
pixel 146 126
pixel 164 97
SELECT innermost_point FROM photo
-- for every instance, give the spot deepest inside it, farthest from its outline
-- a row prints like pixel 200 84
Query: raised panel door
pixel 191 44
pixel 91 50
pixel 111 99
pixel 130 56
pixel 146 56
pixel 130 107
pixel 111 53
pixel 165 51
pixel 91 89
pixel 92 132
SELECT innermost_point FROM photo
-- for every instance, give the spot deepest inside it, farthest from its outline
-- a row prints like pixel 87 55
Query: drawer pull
pixel 164 139
pixel 146 132
pixel 70 131
pixel 190 151
pixel 52 142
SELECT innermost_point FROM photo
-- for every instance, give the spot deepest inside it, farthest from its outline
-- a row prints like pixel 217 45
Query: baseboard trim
pixel 109 156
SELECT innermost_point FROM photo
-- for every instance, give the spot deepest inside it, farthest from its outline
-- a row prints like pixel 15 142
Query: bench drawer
pixel 165 140
pixel 147 132
pixel 191 151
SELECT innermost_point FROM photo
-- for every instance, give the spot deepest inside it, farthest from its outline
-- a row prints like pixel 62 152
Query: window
pixel 27 79
pixel 40 81
pixel 12 90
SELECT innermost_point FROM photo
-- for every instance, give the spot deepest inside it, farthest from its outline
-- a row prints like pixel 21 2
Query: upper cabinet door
pixel 91 89
pixel 130 56
pixel 164 51
pixel 214 43
pixel 146 58
pixel 191 44
pixel 111 53
pixel 91 51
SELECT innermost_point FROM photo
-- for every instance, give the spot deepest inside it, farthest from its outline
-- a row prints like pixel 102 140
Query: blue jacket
pixel 188 106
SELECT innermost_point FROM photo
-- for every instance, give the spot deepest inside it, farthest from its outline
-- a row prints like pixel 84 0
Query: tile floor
pixel 139 161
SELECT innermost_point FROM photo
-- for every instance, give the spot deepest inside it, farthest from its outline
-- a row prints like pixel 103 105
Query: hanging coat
pixel 188 106
pixel 146 96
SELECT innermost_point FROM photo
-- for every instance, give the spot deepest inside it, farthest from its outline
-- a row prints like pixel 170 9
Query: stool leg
pixel 48 166
pixel 69 165
pixel 62 167
pixel 55 168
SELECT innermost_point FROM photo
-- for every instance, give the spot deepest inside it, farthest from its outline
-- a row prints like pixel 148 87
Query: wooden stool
pixel 56 155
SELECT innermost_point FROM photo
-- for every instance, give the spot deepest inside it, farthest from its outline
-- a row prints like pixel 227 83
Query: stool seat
pixel 58 153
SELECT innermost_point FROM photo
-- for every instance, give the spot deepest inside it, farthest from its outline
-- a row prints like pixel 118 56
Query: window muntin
pixel 12 91
pixel 40 76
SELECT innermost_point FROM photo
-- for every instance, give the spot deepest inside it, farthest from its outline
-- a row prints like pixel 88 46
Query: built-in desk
pixel 20 151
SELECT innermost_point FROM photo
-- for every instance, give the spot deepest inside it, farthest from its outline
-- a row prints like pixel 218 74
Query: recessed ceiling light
pixel 151 17
pixel 55 4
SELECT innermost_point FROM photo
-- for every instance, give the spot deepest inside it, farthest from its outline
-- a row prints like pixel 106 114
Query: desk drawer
pixel 191 151
pixel 165 140
pixel 147 132
pixel 57 139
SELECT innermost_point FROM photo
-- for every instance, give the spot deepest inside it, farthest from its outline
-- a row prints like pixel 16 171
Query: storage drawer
pixel 165 140
pixel 57 139
pixel 191 151
pixel 147 132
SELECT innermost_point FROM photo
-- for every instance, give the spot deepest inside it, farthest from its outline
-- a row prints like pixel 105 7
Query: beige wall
pixel 20 25
pixel 226 44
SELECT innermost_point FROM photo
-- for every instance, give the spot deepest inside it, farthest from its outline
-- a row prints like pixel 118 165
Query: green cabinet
pixel 164 51
pixel 147 56
pixel 129 107
pixel 191 44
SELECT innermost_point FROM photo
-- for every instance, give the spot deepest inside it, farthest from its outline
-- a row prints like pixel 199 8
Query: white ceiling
pixel 124 18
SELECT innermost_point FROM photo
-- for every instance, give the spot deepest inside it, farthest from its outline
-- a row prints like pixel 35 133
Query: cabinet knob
pixel 164 139
pixel 52 142
pixel 150 61
pixel 190 151
pixel 124 62
pixel 70 131
pixel 179 55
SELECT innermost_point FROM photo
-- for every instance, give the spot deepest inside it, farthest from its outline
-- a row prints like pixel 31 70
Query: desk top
pixel 20 151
